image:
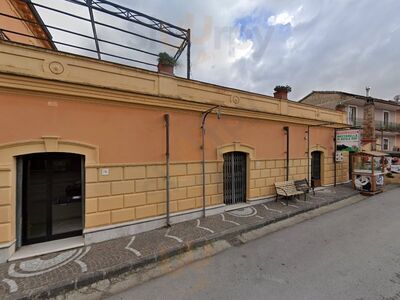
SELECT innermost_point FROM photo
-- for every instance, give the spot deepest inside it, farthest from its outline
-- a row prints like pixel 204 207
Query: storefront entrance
pixel 316 168
pixel 351 154
pixel 235 168
pixel 51 196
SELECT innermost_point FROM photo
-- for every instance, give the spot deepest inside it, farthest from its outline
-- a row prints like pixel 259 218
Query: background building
pixel 387 114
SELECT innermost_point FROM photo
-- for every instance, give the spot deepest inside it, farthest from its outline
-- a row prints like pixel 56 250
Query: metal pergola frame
pixel 112 9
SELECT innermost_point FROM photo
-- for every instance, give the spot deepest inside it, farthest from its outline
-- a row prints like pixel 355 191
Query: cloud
pixel 257 44
pixel 281 19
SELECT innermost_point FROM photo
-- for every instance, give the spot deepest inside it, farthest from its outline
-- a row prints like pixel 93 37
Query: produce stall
pixel 369 168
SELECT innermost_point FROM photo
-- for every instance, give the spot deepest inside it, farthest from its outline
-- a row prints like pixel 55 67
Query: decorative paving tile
pixel 25 277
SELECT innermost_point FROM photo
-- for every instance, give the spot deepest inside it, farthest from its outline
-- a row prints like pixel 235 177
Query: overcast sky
pixel 257 44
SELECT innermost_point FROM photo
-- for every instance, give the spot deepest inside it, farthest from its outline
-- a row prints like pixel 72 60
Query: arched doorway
pixel 235 177
pixel 51 186
pixel 316 168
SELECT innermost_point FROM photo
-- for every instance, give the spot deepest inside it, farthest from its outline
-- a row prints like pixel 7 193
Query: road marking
pixel 172 236
pixel 271 209
pixel 257 216
pixel 205 228
pixel 12 284
pixel 233 222
pixel 133 250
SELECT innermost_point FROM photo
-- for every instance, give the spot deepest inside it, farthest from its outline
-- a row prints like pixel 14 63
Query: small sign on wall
pixel 339 156
pixel 105 172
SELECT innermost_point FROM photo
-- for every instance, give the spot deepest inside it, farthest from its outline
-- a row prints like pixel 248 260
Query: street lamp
pixel 203 133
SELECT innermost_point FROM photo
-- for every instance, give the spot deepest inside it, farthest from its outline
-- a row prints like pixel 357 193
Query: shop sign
pixel 348 140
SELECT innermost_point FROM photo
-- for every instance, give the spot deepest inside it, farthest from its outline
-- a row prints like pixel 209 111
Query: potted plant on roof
pixel 281 91
pixel 166 63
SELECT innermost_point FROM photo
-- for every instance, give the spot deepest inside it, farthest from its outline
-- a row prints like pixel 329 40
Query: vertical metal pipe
pixel 189 45
pixel 286 128
pixel 203 133
pixel 89 4
pixel 203 163
pixel 167 158
pixel 308 154
pixel 334 158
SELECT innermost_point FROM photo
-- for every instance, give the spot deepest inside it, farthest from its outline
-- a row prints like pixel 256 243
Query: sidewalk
pixel 56 273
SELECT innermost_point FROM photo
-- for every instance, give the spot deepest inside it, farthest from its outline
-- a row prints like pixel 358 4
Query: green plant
pixel 165 59
pixel 283 88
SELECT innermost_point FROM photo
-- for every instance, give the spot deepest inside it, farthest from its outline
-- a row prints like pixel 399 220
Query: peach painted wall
pixel 323 137
pixel 16 25
pixel 136 134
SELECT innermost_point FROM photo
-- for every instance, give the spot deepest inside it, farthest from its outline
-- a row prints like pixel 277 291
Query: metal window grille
pixel 235 169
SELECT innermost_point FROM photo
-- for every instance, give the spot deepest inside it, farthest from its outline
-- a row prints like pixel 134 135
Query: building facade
pixel 386 115
pixel 32 32
pixel 83 147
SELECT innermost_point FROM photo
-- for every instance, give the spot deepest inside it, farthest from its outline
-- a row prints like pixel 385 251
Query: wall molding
pixel 90 78
pixel 47 144
pixel 236 147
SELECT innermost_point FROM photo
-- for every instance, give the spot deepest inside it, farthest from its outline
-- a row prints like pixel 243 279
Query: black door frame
pixel 22 199
pixel 316 181
pixel 231 182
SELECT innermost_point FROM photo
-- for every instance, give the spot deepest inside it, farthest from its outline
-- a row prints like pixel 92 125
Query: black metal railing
pixel 379 125
pixel 387 126
pixel 356 122
pixel 101 23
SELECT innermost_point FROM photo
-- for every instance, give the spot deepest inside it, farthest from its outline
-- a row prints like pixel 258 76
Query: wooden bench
pixel 286 189
pixel 304 186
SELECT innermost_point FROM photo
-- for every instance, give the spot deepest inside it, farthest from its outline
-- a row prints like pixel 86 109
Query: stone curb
pixel 229 235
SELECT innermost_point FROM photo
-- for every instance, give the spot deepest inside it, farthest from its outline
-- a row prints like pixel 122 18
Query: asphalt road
pixel 350 253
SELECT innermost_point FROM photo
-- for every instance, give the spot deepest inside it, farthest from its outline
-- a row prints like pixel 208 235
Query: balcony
pixel 379 125
pixel 387 126
pixel 358 123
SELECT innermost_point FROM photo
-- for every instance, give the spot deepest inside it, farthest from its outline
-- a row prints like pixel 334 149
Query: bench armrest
pixel 281 189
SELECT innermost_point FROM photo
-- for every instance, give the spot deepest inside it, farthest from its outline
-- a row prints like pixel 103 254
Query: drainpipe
pixel 203 158
pixel 286 128
pixel 308 154
pixel 334 158
pixel 166 119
